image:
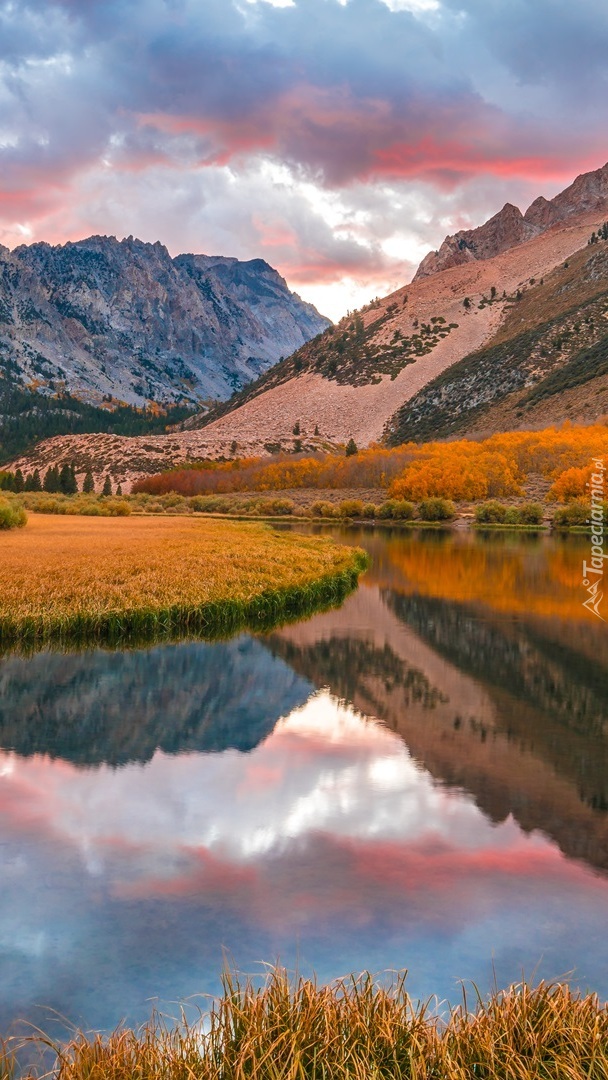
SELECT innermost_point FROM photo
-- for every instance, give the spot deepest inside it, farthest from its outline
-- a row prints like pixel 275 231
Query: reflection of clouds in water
pixel 327 842
pixel 324 770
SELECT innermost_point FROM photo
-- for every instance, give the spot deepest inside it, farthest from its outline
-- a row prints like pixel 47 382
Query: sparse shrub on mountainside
pixel 12 515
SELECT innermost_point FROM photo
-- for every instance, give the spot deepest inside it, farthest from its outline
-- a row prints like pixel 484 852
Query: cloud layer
pixel 338 139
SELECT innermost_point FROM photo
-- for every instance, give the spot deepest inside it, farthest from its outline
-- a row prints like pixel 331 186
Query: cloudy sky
pixel 338 139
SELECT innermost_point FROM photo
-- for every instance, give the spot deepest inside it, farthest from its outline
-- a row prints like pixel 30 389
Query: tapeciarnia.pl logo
pixel 593 571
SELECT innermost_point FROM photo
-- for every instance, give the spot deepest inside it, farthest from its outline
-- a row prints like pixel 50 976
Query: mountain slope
pixel 101 317
pixel 553 342
pixel 362 378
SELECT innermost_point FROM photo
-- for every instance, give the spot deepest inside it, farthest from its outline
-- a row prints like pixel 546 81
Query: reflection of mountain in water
pixel 508 711
pixel 117 707
pixel 567 691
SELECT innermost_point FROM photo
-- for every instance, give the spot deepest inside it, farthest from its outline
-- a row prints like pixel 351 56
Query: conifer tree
pixel 67 480
pixel 19 483
pixel 51 480
pixel 32 482
pixel 351 447
pixel 107 486
pixel 88 484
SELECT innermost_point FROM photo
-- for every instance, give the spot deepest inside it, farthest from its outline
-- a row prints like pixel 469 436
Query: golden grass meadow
pixel 354 1029
pixel 79 577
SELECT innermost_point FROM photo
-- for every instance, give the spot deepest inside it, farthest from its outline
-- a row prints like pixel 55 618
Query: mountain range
pixel 503 327
pixel 103 318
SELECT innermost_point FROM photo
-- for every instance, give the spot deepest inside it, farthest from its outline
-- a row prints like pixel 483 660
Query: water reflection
pixel 418 779
pixel 117 707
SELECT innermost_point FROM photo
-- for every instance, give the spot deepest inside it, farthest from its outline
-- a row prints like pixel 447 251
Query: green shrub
pixel 370 511
pixel 513 516
pixel 386 509
pixel 277 507
pixel 403 510
pixel 12 515
pixel 200 503
pixel 436 509
pixel 490 513
pixel 577 512
pixel 323 509
pixel 352 508
pixel 117 507
pixel 173 499
pixel 531 514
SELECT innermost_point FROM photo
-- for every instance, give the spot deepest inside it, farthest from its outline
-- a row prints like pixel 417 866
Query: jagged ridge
pixel 103 317
pixel 509 227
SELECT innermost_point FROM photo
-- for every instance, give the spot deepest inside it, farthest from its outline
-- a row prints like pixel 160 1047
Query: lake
pixel 417 780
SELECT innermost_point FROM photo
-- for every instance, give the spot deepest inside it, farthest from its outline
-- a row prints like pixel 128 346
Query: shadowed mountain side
pixel 547 362
pixel 484 706
pixel 103 707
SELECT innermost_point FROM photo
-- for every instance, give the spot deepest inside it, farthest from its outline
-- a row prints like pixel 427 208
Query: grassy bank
pixel 357 1030
pixel 80 578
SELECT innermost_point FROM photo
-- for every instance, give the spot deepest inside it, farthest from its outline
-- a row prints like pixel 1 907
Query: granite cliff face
pixel 103 317
pixel 510 227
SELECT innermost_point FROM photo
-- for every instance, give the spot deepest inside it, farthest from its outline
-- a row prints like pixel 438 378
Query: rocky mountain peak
pixel 102 316
pixel 510 227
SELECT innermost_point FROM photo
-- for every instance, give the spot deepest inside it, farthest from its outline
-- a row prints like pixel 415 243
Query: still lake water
pixel 417 780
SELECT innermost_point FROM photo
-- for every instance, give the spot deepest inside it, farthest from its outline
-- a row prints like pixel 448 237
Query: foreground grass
pixel 81 578
pixel 353 1029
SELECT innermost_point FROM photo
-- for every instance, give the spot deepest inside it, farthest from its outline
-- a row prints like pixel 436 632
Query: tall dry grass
pixel 81 577
pixel 354 1030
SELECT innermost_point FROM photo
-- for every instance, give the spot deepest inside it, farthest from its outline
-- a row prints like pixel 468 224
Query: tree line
pixel 56 481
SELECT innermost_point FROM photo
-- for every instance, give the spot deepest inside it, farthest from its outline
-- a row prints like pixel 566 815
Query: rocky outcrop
pixel 500 233
pixel 510 227
pixel 105 317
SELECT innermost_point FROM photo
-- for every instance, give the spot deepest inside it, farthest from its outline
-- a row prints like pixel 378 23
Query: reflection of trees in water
pixel 100 706
pixel 553 700
pixel 353 666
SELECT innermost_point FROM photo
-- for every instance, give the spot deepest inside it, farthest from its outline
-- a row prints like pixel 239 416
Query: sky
pixel 340 140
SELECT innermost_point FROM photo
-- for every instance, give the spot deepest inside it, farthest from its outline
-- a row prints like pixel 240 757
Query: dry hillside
pixel 358 378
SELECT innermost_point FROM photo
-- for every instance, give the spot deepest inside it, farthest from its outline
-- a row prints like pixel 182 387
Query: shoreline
pixel 287 1027
pixel 68 580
